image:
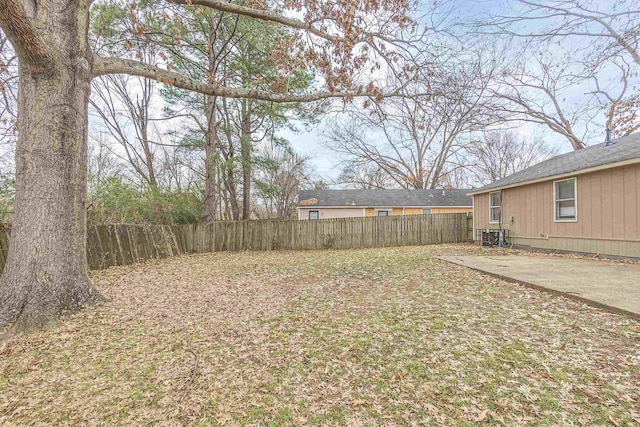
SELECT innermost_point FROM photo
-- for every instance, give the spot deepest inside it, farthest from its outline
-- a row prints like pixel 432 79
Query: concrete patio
pixel 605 284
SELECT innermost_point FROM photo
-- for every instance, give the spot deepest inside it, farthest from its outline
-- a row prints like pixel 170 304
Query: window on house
pixel 314 214
pixel 383 213
pixel 426 211
pixel 495 207
pixel 565 195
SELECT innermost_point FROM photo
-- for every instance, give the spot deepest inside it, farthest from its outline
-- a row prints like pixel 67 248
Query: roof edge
pixel 380 206
pixel 557 176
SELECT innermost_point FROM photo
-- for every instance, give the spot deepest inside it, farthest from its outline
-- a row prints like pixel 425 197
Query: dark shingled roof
pixel 384 198
pixel 625 148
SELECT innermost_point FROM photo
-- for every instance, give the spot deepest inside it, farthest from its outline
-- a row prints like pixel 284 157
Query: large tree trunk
pixel 233 194
pixel 143 124
pixel 46 270
pixel 245 154
pixel 228 174
pixel 210 162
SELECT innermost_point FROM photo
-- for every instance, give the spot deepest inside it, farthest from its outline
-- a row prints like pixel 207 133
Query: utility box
pixel 492 237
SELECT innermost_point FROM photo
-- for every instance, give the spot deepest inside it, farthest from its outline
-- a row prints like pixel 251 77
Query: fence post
pixel 109 245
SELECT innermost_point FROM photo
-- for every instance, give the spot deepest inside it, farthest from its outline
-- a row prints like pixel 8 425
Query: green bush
pixel 115 202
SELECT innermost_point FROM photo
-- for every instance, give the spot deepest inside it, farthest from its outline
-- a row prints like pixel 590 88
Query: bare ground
pixel 360 337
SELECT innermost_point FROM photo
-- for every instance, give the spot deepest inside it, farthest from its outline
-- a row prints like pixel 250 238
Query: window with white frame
pixel 426 211
pixel 383 213
pixel 565 200
pixel 495 207
pixel 314 214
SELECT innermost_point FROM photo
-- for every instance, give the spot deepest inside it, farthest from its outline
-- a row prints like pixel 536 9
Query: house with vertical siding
pixel 326 204
pixel 586 201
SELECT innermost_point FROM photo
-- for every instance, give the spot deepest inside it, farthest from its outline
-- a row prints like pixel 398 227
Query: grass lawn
pixel 361 337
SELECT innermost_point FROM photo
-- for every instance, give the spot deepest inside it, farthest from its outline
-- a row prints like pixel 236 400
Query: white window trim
pixel 389 211
pixel 575 198
pixel 490 216
pixel 313 210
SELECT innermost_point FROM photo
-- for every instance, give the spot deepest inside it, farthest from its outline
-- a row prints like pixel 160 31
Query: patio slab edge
pixel 555 292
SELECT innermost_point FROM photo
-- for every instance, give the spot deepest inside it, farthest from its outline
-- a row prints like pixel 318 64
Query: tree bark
pixel 245 155
pixel 233 194
pixel 210 135
pixel 143 125
pixel 210 161
pixel 46 270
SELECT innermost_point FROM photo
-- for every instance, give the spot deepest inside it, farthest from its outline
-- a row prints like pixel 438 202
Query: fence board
pixel 109 245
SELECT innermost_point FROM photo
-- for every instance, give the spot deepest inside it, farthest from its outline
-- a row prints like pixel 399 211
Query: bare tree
pixel 8 104
pixel 411 139
pixel 365 175
pixel 455 176
pixel 102 164
pixel 563 46
pixel 501 153
pixel 279 175
pixel 535 90
pixel 620 101
pixel 611 26
pixel 124 103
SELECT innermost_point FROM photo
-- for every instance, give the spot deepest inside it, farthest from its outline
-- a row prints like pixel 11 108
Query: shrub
pixel 115 202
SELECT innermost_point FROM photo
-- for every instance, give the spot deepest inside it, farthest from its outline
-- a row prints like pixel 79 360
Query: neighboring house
pixel 584 201
pixel 324 204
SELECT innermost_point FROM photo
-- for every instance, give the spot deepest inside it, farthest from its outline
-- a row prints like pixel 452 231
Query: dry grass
pixel 362 337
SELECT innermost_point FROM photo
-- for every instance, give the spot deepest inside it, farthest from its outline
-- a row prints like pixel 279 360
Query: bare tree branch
pixel 570 18
pixel 263 15
pixel 103 66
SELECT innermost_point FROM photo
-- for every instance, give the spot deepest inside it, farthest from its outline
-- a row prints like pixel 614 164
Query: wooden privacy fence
pixel 340 233
pixel 109 245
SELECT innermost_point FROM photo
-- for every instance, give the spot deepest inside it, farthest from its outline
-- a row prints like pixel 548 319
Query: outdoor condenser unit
pixel 495 238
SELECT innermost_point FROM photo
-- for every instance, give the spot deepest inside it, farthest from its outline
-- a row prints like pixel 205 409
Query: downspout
pixel 500 218
pixel 502 243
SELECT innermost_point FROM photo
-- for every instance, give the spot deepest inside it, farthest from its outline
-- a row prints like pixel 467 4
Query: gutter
pixel 557 176
pixel 381 207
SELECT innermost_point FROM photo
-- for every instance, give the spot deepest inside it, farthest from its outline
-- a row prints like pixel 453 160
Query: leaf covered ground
pixel 361 337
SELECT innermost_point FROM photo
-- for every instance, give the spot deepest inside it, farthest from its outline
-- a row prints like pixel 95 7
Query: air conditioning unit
pixel 494 237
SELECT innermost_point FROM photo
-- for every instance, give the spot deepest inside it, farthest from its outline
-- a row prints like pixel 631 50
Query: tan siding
pixel 586 206
pixel 547 220
pixel 451 210
pixel 608 214
pixel 412 211
pixel 637 201
pixel 617 206
pixel 607 204
pixel 357 212
pixel 328 213
pixel 596 208
pixel 529 193
pixel 481 210
pixel 630 203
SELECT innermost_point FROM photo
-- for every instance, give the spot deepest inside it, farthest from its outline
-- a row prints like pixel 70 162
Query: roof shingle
pixel 625 148
pixel 385 198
